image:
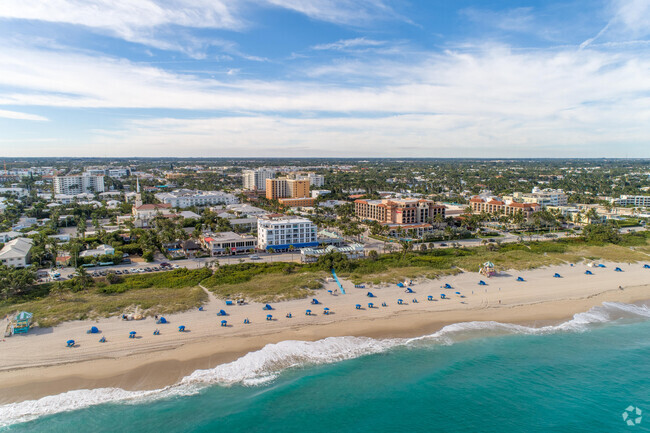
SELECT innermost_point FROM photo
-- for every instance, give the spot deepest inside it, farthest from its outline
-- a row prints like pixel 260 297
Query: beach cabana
pixel 132 334
pixel 181 328
pixel 520 279
pixel 326 310
pixel 447 286
pixel 370 295
pixel 93 330
pixel 70 343
pixel 429 298
pixel 557 275
pixel 618 269
pixel 224 323
pixel 162 320
pixel 443 296
pixel 222 313
pixel 400 302
pixel 270 316
pixel 482 283
pixel 308 313
pixel 409 290
pixel 358 306
pixel 588 272
pixel 315 301
pixel 400 284
pixel 246 321
pixel 646 266
pixel 371 305
pixel 267 307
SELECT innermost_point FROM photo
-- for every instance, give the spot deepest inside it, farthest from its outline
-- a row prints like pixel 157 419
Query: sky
pixel 325 78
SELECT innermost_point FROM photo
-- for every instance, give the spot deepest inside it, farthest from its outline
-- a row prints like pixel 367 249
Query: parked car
pixel 126 261
pixel 254 257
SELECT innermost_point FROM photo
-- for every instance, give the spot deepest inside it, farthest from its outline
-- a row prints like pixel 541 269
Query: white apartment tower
pixel 78 184
pixel 256 179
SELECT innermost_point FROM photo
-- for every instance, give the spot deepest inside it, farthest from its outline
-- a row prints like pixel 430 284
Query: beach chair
pixel 520 279
pixel 383 304
pixel 326 311
pixel 429 298
pixel 358 306
pixel 371 305
pixel 200 308
pixel 443 296
pixel 102 340
pixel 646 266
pixel 70 343
pixel 181 328
pixel 308 313
pixel 415 301
pixel 289 316
pixel 246 321
pixel 228 302
pixel 224 323
pixel 400 302
pixel 156 332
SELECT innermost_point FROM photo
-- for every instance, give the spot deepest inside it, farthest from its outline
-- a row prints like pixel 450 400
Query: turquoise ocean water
pixel 579 376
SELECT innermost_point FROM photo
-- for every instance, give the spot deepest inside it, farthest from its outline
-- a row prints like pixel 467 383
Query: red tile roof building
pixel 398 211
pixel 494 205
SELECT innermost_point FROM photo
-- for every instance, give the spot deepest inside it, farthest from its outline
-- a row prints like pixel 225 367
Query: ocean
pixel 589 374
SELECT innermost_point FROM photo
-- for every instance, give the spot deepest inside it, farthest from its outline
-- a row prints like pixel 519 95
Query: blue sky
pixel 340 78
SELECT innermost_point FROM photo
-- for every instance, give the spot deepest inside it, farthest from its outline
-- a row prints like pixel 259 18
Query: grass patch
pixel 271 287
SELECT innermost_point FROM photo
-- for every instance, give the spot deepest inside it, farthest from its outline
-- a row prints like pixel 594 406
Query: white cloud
pixel 348 12
pixel 22 116
pixel 345 44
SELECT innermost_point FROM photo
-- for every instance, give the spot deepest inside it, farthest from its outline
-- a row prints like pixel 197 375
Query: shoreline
pixel 151 364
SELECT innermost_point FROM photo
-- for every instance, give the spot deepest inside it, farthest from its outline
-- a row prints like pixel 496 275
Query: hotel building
pixel 398 211
pixel 281 232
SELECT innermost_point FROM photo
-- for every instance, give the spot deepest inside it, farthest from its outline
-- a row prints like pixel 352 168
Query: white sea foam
pixel 264 365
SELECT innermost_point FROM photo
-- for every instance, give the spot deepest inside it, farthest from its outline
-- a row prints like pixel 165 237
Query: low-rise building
pixel 145 213
pixel 283 233
pixel 633 200
pixel 17 253
pixel 99 251
pixel 494 205
pixel 228 243
pixel 297 202
pixel 399 211
pixel 542 197
pixel 352 251
pixel 185 198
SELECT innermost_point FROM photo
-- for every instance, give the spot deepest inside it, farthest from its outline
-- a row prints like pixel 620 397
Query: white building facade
pixel 282 233
pixel 186 198
pixel 78 184
pixel 256 179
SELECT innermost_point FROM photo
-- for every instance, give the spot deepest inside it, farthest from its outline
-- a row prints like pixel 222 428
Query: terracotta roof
pixel 496 202
pixel 476 200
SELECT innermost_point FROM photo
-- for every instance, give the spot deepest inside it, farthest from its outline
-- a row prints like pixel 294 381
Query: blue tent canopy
pixel 358 306
pixel 370 305
pixel 181 328
pixel 267 307
pixel 162 320
pixel 482 283
pixel 430 298
pixel 447 286
pixel 618 270
pixel 222 313
pixel 224 322
pixel 588 272
pixel 557 275
pixel 70 342
pixel 315 301
pixel 520 279
pixel 646 266
pixel 370 295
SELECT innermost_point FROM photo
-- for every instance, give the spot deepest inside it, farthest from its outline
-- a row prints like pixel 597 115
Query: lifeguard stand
pixel 22 323
pixel 488 269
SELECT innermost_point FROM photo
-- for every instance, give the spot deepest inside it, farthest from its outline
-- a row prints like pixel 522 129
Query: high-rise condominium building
pixel 283 232
pixel 78 184
pixel 255 180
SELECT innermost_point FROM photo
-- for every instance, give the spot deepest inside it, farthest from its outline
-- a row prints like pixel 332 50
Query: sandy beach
pixel 39 364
